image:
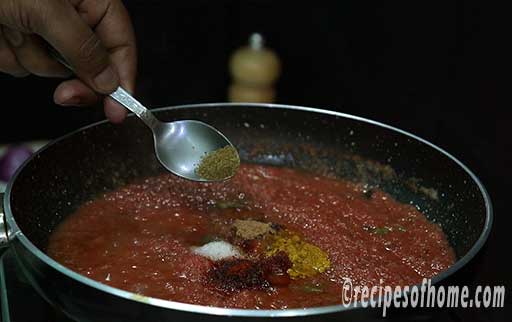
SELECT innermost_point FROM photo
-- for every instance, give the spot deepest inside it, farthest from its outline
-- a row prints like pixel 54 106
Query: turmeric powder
pixel 307 259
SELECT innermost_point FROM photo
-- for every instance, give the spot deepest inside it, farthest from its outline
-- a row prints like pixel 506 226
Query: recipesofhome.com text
pixel 424 295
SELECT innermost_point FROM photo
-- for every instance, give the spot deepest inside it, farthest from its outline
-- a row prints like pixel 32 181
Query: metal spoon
pixel 179 145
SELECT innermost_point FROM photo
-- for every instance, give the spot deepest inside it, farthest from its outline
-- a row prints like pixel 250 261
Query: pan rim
pixel 16 234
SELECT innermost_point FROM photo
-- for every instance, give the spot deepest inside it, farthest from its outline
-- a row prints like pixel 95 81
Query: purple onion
pixel 12 159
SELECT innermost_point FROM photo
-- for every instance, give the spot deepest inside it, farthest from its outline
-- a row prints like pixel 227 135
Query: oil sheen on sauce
pixel 140 237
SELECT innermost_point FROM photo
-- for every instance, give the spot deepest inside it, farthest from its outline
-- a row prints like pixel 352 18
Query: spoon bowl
pixel 180 145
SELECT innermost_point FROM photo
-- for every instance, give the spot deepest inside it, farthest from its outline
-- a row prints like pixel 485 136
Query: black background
pixel 429 68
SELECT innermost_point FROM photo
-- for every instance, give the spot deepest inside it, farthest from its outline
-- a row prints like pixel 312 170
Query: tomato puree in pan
pixel 270 238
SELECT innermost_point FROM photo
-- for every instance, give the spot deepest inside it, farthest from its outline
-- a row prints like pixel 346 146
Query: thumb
pixel 67 32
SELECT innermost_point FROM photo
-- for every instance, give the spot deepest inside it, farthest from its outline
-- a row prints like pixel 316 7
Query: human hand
pixel 94 36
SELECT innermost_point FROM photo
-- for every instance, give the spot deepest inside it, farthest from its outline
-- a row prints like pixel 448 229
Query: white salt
pixel 217 250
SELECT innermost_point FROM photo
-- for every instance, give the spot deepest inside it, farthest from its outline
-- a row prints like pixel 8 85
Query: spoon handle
pixel 120 95
pixel 124 98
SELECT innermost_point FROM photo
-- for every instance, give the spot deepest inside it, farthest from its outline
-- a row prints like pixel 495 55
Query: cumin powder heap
pixel 219 164
pixel 252 229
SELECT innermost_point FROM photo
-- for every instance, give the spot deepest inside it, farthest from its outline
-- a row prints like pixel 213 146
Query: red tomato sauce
pixel 139 237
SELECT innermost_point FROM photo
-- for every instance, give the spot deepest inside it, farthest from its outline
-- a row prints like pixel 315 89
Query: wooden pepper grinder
pixel 254 70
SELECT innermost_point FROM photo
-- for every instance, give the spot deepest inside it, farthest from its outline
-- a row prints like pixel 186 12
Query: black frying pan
pixel 103 156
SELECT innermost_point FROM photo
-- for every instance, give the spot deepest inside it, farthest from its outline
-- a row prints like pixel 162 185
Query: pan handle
pixel 4 239
pixel 4 307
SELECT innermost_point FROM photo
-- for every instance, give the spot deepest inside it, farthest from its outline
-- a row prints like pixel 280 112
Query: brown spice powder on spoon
pixel 219 164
